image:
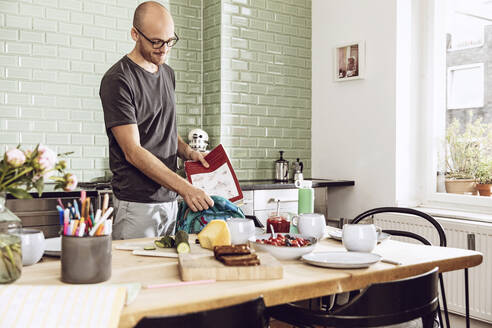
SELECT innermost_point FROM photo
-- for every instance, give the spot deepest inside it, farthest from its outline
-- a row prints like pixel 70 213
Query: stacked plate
pixel 341 259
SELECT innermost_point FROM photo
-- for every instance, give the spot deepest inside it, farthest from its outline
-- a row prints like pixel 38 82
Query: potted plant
pixel 483 177
pixel 462 157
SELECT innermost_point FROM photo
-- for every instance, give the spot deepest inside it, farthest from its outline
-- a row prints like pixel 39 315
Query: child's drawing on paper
pixel 218 182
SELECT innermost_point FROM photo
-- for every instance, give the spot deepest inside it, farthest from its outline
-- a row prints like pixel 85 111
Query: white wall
pixel 354 122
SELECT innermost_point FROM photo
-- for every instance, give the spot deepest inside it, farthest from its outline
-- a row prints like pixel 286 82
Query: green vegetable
pixel 165 242
pixel 149 248
pixel 182 244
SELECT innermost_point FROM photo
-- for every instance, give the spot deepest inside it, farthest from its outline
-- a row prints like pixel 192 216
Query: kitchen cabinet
pixel 261 203
pixel 265 202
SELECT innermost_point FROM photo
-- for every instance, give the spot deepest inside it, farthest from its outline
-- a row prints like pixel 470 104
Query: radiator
pixel 459 234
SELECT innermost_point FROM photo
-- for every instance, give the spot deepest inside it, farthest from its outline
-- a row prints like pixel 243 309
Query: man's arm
pixel 128 139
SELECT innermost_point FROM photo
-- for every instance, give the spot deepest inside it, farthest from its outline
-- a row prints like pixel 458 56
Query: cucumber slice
pixel 183 248
pixel 149 248
pixel 158 243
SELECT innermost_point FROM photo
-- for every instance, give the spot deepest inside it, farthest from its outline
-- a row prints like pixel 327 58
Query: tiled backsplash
pixel 266 83
pixel 250 80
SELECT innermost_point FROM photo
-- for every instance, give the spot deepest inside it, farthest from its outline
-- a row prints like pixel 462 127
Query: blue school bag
pixel 194 222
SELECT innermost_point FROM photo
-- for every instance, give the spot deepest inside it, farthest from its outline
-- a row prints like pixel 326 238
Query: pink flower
pixel 46 158
pixel 70 182
pixel 15 157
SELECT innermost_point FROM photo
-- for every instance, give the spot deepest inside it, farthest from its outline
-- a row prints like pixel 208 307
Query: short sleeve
pixel 173 77
pixel 117 101
pixel 171 74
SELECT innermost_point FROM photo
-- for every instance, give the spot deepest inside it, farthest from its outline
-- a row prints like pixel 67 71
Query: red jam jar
pixel 279 222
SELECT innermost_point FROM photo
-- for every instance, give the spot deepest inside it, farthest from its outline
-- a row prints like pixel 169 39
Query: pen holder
pixel 85 260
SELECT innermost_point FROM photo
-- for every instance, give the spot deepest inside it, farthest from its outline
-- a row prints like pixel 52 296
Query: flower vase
pixel 10 244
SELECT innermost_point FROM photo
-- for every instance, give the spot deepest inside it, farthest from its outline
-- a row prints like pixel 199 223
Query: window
pixel 460 102
pixel 465 86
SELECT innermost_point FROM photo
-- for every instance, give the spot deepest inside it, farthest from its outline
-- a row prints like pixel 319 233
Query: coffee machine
pixel 282 168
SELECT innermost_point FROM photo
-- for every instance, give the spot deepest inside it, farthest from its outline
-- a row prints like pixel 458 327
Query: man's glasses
pixel 157 44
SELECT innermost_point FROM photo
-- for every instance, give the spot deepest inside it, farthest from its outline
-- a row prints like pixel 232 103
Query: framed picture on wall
pixel 349 61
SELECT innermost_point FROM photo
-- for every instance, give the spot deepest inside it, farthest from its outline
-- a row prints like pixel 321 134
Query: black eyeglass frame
pixel 160 43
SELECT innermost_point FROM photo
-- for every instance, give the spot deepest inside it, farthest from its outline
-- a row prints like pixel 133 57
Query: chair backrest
pixel 257 222
pixel 250 314
pixel 425 216
pixel 379 304
pixel 389 302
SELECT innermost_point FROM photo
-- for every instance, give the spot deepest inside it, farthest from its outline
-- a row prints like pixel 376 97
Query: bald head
pixel 149 13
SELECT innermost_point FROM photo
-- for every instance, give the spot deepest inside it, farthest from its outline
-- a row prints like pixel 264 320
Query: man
pixel 138 99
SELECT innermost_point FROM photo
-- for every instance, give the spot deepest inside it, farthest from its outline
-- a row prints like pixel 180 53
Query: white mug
pixel 359 237
pixel 310 224
pixel 241 230
pixel 33 245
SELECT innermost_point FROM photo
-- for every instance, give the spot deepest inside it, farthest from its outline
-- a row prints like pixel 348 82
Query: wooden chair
pixel 442 243
pixel 249 314
pixel 378 305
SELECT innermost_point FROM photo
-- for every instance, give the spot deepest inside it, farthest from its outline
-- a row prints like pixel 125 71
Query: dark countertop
pixel 272 184
pixel 50 192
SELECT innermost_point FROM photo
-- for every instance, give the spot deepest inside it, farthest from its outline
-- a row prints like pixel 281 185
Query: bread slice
pixel 240 249
pixel 239 260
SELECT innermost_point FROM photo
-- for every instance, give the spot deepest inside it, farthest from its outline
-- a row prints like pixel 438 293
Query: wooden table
pixel 301 281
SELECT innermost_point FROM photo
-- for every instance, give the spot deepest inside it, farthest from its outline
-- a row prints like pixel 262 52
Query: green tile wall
pixel 242 69
pixel 266 84
pixel 211 70
pixel 186 60
pixel 248 84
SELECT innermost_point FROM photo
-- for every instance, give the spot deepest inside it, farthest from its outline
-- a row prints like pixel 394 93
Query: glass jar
pixel 10 244
pixel 280 222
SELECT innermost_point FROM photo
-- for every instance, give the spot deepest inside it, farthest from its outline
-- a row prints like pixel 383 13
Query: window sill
pixel 455 214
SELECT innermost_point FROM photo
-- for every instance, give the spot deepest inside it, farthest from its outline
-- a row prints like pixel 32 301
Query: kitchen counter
pixel 50 192
pixel 272 184
pixel 92 188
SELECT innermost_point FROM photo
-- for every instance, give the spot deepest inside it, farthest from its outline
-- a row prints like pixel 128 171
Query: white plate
pixel 337 235
pixel 341 260
pixel 53 246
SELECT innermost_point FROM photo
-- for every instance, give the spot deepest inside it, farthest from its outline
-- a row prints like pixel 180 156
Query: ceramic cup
pixel 33 245
pixel 241 230
pixel 359 237
pixel 310 224
pixel 85 260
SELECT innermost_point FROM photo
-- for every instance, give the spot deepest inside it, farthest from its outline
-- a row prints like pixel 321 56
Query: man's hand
pixel 198 157
pixel 196 198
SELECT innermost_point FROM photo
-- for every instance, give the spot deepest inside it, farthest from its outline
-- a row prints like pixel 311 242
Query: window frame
pixel 434 114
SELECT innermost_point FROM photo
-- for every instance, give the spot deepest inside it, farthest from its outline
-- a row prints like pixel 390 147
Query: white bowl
pixel 33 245
pixel 283 252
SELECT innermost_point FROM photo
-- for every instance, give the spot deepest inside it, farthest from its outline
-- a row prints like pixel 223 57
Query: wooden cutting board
pixel 200 263
pixel 201 266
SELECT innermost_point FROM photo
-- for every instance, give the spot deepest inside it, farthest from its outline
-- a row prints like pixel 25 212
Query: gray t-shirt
pixel 132 95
